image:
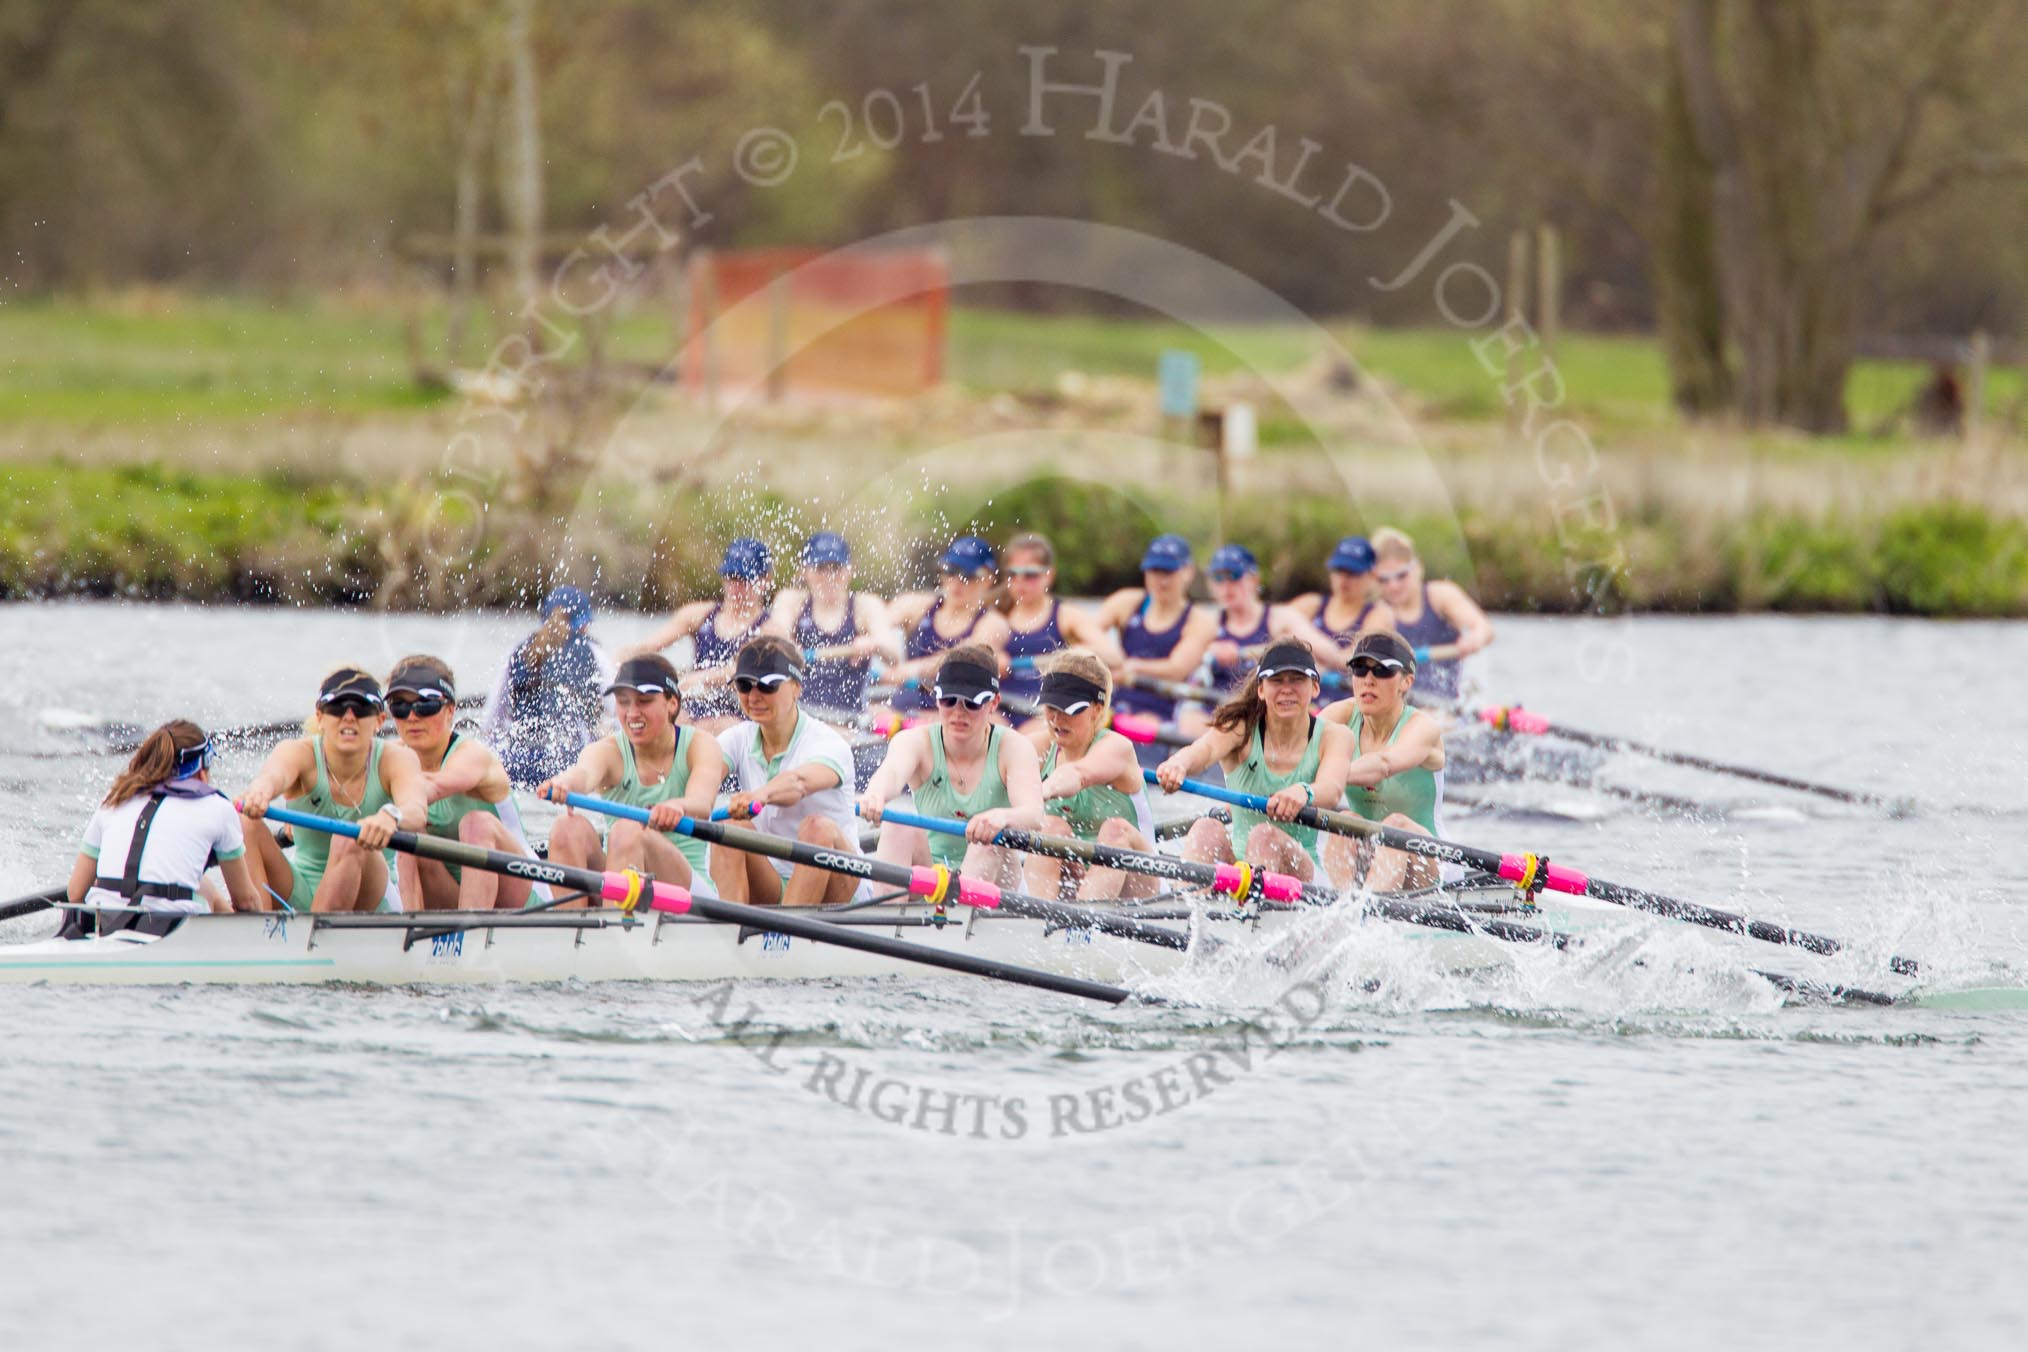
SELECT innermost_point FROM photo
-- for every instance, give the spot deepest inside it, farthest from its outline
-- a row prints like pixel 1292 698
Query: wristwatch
pixel 393 810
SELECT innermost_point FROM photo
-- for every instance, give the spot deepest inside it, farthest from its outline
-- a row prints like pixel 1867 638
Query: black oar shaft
pixel 33 902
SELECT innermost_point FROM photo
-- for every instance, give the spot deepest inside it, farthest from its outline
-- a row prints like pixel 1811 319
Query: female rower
pixel 839 630
pixel 1247 623
pixel 1396 776
pixel 466 786
pixel 1038 623
pixel 671 769
pixel 967 764
pixel 792 776
pixel 957 612
pixel 340 769
pixel 1351 607
pixel 1269 743
pixel 149 843
pixel 545 707
pixel 717 629
pixel 1091 781
pixel 1437 617
pixel 1161 634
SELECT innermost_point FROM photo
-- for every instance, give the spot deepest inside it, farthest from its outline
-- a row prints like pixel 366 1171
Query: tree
pixel 1820 124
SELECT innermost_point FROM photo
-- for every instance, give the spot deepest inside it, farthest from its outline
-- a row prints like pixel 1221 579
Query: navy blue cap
pixel 1166 554
pixel 970 554
pixel 1236 560
pixel 826 547
pixel 1354 554
pixel 746 558
pixel 571 602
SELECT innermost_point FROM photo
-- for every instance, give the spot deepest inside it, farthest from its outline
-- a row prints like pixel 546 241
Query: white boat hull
pixel 605 946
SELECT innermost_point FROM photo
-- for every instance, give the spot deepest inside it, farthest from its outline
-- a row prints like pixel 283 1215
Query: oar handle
pixel 920 881
pixel 605 884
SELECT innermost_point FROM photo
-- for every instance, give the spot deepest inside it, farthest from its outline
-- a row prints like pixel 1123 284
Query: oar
pixel 628 889
pixel 1513 718
pixel 1239 880
pixel 33 902
pixel 1530 870
pixel 923 882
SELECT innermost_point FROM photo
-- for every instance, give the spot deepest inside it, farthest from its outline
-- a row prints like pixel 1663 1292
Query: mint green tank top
pixel 1253 776
pixel 636 794
pixel 446 813
pixel 936 797
pixel 1088 809
pixel 313 848
pixel 1414 794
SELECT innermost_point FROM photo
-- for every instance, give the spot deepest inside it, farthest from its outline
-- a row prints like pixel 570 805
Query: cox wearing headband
pixel 967 764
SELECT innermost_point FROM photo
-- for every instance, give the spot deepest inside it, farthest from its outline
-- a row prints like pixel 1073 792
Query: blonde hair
pixel 978 654
pixel 1389 543
pixel 1078 662
pixel 311 727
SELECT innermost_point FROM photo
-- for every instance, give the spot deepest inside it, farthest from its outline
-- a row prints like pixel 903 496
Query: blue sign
pixel 1178 377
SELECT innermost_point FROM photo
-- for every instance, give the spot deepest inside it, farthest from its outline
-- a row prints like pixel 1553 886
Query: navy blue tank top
pixel 1137 640
pixel 839 683
pixel 1037 643
pixel 1437 677
pixel 710 649
pixel 924 640
pixel 1225 678
pixel 1343 637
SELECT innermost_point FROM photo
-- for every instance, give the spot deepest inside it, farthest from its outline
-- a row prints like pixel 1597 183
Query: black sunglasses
pixel 1366 666
pixel 426 706
pixel 746 685
pixel 348 704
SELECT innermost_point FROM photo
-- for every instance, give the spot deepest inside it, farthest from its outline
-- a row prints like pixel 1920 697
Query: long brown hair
pixel 1245 712
pixel 1003 595
pixel 547 640
pixel 154 760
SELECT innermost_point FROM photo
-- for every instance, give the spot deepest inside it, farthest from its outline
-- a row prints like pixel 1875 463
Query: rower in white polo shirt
pixel 793 778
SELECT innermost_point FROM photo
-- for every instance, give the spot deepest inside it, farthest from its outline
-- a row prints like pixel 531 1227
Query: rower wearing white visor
pixel 1091 781
pixel 341 769
pixel 1396 776
pixel 469 797
pixel 792 776
pixel 1270 744
pixel 146 848
pixel 967 765
pixel 673 770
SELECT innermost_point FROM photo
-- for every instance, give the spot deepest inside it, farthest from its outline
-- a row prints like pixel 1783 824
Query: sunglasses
pixel 964 575
pixel 1366 666
pixel 978 701
pixel 1027 572
pixel 1223 575
pixel 355 705
pixel 427 706
pixel 1396 574
pixel 747 685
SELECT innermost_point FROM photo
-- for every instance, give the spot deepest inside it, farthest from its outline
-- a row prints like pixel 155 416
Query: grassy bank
pixel 145 533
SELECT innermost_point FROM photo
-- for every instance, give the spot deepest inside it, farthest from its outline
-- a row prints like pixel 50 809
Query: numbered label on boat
pixel 447 947
pixel 773 945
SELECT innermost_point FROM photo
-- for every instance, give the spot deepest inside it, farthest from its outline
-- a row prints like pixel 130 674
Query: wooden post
pixel 1975 385
pixel 1548 288
pixel 778 336
pixel 1517 312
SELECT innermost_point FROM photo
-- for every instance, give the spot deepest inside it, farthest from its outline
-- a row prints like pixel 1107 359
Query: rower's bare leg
pixel 1044 875
pixel 574 843
pixel 906 845
pixel 1268 847
pixel 758 878
pixel 1344 861
pixel 1393 870
pixel 809 886
pixel 482 889
pixel 266 864
pixel 1111 884
pixel 995 864
pixel 428 879
pixel 355 879
pixel 1208 842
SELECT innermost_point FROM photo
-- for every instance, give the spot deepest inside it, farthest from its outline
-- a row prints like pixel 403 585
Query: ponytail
pixel 546 642
pixel 1245 712
pixel 154 761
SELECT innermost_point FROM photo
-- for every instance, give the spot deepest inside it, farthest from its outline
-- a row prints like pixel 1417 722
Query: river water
pixel 1635 1146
